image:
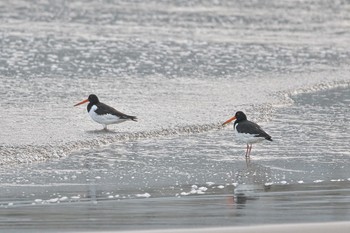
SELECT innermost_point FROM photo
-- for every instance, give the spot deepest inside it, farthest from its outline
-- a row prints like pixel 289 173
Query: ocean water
pixel 182 67
pixel 194 180
pixel 177 65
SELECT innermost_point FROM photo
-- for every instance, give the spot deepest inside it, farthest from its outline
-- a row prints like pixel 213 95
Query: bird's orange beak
pixel 82 102
pixel 229 120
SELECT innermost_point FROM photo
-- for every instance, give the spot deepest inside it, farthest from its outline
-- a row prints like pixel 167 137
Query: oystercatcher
pixel 104 114
pixel 247 131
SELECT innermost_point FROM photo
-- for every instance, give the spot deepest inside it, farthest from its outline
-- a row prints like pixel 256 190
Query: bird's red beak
pixel 229 120
pixel 82 102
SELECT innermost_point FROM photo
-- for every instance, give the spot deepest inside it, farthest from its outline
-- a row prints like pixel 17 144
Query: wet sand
pixel 192 181
pixel 339 227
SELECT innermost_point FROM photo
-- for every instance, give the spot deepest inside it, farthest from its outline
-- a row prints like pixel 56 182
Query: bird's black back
pixel 103 109
pixel 249 127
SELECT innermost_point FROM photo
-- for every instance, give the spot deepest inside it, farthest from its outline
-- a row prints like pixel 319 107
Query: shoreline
pixel 17 154
pixel 339 227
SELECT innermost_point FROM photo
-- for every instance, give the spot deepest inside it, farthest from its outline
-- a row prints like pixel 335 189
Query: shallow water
pixel 157 60
pixel 194 180
pixel 182 67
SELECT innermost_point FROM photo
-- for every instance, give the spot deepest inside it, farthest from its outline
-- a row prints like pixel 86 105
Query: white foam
pixel 337 180
pixel 145 195
pixel 62 199
pixel 53 200
pixel 209 183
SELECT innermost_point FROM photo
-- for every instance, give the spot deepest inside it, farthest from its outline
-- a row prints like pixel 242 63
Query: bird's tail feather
pixel 133 118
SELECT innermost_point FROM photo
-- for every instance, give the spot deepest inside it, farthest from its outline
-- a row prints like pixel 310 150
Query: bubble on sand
pixel 146 195
pixel 209 183
pixel 53 200
pixel 63 199
pixel 75 197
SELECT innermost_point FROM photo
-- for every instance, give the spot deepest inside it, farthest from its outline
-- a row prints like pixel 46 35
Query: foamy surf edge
pixel 32 153
pixel 285 97
pixel 14 154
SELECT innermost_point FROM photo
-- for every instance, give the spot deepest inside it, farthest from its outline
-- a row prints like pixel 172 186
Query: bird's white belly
pixel 247 138
pixel 105 119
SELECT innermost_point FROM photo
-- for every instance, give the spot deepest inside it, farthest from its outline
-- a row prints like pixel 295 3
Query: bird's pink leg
pixel 246 153
pixel 250 149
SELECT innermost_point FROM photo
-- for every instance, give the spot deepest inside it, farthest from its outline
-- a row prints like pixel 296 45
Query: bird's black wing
pixel 252 128
pixel 103 109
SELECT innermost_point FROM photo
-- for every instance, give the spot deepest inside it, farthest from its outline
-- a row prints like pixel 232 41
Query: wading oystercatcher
pixel 247 131
pixel 104 114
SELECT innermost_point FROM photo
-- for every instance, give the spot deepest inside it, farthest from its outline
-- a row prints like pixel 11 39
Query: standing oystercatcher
pixel 104 114
pixel 247 131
